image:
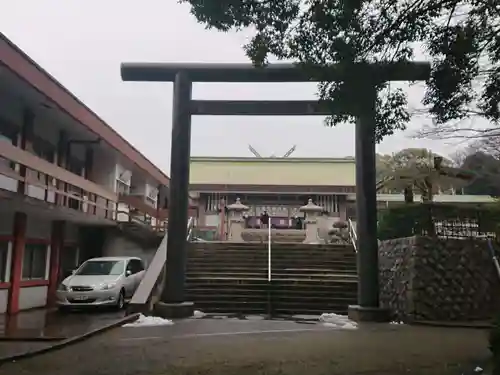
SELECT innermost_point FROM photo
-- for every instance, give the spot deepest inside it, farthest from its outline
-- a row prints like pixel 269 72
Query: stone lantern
pixel 236 212
pixel 313 213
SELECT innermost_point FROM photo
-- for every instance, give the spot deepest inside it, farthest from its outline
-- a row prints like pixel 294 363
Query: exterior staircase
pixel 305 279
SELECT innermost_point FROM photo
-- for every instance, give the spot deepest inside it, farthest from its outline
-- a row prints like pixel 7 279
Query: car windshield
pixel 101 268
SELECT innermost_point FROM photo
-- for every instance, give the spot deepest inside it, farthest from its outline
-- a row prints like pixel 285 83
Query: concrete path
pixel 252 347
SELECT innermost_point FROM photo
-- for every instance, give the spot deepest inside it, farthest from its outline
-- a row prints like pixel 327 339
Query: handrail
pixel 190 226
pixel 352 234
pixel 269 269
pixel 152 282
pixel 494 257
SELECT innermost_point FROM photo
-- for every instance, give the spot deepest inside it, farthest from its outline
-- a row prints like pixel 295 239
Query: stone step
pixel 194 268
pixel 215 244
pixel 281 298
pixel 206 292
pixel 274 259
pixel 275 248
pixel 306 279
pixel 277 308
pixel 289 252
pixel 312 287
pixel 276 275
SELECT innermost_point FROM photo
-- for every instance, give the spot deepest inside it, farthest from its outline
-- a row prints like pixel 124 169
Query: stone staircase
pixel 306 279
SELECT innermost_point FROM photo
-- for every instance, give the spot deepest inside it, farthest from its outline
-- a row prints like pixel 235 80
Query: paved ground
pixel 251 347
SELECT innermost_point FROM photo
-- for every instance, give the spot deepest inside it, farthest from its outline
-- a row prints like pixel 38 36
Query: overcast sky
pixel 83 42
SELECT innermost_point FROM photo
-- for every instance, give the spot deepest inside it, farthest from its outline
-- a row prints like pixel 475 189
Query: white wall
pixel 7 183
pixel 31 297
pixel 4 295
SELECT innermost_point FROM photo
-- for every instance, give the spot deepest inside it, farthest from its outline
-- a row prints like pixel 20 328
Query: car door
pixel 138 268
pixel 129 283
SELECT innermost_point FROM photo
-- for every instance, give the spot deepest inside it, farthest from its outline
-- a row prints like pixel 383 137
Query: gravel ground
pixel 252 347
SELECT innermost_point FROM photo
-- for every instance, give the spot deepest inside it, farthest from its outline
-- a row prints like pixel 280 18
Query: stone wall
pixel 425 278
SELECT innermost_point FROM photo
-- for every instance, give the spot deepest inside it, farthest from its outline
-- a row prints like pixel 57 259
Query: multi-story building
pixel 68 184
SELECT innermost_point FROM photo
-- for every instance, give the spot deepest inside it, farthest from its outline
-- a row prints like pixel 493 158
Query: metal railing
pixel 151 285
pixel 190 227
pixel 494 257
pixel 353 234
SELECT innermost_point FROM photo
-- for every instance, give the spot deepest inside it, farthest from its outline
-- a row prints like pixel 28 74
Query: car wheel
pixel 120 303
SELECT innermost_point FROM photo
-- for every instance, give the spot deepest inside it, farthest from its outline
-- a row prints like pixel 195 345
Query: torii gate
pixel 183 76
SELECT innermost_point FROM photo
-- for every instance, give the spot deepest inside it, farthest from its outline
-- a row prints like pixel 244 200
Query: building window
pixel 43 150
pixel 75 166
pixel 35 262
pixel 122 187
pixel 12 141
pixel 4 261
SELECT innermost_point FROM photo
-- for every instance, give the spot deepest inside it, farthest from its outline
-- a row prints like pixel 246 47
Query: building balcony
pixel 38 187
pixel 135 209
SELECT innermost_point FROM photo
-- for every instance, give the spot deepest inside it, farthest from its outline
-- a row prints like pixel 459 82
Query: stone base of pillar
pixel 368 314
pixel 174 310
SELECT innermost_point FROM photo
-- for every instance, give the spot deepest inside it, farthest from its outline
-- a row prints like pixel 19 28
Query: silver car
pixel 101 282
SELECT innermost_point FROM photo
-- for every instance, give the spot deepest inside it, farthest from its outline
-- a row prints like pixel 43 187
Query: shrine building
pixel 280 186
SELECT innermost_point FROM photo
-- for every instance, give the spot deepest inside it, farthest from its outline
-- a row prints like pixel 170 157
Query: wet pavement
pixel 257 346
pixel 12 348
pixel 43 323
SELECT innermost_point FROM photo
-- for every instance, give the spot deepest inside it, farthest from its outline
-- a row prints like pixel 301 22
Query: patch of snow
pixel 306 317
pixel 337 321
pixel 478 369
pixel 149 321
pixel 198 314
pixel 396 322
